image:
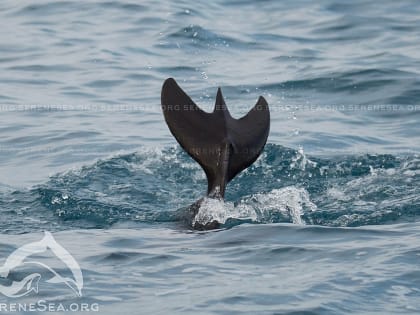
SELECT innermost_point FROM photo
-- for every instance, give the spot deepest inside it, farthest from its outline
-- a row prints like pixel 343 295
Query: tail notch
pixel 221 144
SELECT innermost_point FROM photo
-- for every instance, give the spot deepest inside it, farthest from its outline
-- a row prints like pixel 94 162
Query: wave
pixel 284 185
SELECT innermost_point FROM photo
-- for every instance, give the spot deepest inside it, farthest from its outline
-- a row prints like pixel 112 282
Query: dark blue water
pixel 325 222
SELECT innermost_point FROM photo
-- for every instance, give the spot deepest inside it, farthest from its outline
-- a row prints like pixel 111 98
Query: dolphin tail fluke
pixel 222 145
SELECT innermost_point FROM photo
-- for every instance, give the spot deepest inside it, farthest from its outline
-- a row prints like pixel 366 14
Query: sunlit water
pixel 325 222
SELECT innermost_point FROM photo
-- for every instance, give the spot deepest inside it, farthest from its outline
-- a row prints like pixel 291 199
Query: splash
pixel 301 161
pixel 284 185
pixel 286 204
pixel 217 210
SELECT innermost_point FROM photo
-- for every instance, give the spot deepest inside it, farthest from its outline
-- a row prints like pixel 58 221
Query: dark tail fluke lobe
pixel 222 145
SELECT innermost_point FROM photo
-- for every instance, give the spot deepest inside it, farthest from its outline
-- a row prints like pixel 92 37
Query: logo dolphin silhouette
pixel 21 256
pixel 21 288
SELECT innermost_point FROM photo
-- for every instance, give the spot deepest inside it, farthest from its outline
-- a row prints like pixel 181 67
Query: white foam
pixel 301 161
pixel 215 209
pixel 290 202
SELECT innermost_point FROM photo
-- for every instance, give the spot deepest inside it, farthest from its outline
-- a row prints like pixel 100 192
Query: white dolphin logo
pixel 30 282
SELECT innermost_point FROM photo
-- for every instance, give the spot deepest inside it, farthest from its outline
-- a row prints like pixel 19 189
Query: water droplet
pixel 300 150
pixel 187 11
pixel 195 34
pixel 204 75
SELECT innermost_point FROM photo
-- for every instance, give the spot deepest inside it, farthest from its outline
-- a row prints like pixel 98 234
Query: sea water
pixel 325 222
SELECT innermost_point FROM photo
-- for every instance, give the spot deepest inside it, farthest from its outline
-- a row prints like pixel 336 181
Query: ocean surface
pixel 327 220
